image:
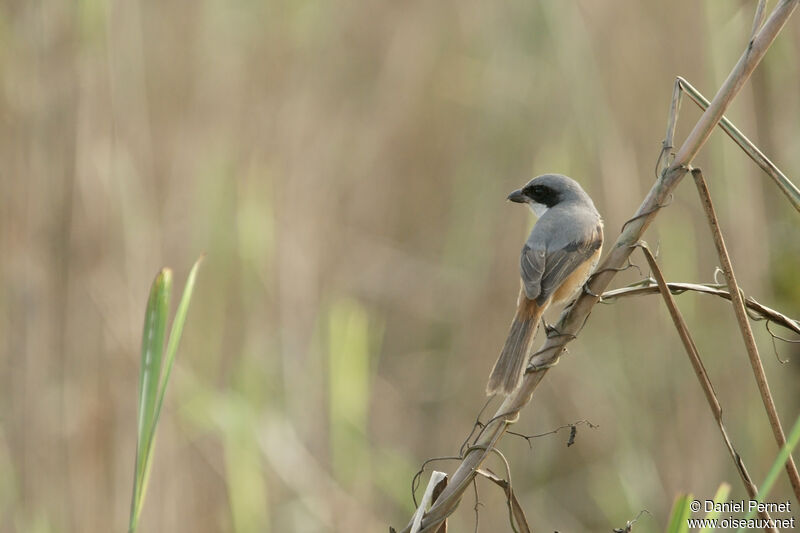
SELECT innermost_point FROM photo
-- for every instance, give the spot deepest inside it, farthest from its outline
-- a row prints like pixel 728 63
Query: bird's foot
pixel 587 290
pixel 549 329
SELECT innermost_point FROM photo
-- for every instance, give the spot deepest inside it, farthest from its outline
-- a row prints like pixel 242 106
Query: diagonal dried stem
pixel 786 186
pixel 758 310
pixel 744 327
pixel 573 318
pixel 702 375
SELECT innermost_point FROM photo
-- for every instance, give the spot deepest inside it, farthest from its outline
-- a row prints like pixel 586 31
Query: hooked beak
pixel 518 197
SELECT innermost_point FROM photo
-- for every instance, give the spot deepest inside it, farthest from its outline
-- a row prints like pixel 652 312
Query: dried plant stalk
pixel 702 376
pixel 744 327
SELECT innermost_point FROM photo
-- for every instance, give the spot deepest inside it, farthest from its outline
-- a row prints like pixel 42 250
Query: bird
pixel 558 257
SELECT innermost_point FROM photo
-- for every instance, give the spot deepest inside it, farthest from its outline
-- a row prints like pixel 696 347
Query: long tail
pixel 507 372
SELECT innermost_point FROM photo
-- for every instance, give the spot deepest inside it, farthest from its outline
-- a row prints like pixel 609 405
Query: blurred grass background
pixel 345 165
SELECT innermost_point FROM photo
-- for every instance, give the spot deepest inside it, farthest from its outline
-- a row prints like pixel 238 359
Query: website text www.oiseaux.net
pixel 742 506
pixel 735 523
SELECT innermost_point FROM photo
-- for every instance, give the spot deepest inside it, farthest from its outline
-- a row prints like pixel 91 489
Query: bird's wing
pixel 532 266
pixel 560 262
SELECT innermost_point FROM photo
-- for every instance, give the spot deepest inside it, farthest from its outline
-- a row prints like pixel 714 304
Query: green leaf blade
pixel 722 495
pixel 155 369
pixel 154 331
pixel 681 511
pixel 777 466
pixel 155 327
pixel 176 332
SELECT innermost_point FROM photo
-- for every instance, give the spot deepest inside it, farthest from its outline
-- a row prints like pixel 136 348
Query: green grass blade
pixel 175 333
pixel 154 376
pixel 777 466
pixel 680 514
pixel 721 496
pixel 155 325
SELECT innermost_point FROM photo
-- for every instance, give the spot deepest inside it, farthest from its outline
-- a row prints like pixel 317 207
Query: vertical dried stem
pixel 744 327
pixel 702 375
pixel 434 489
pixel 672 122
pixel 758 18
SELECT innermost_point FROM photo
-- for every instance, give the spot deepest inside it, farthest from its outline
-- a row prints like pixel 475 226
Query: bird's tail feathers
pixel 507 372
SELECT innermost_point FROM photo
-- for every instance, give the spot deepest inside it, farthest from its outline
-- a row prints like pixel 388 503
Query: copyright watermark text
pixel 741 506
